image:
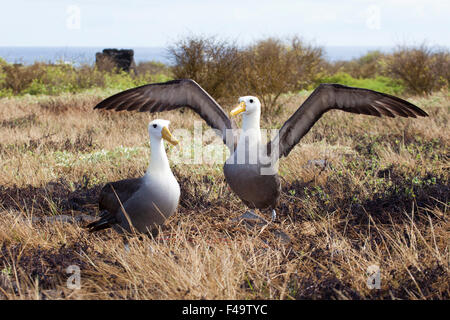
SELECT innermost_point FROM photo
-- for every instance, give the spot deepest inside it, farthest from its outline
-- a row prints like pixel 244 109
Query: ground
pixel 381 200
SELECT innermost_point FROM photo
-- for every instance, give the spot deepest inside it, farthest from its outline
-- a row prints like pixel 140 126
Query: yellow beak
pixel 239 109
pixel 168 136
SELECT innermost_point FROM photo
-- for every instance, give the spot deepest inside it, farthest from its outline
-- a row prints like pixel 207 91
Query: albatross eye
pixel 251 100
pixel 154 126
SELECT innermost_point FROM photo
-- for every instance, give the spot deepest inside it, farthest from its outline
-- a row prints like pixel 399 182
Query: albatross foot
pixel 251 219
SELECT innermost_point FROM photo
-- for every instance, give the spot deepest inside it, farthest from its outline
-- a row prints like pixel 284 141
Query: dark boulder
pixel 122 59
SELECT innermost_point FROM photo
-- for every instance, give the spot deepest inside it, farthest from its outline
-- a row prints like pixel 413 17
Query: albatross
pixel 145 202
pixel 251 170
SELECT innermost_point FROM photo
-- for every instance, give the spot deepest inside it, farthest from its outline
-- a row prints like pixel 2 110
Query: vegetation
pixel 54 79
pixel 208 61
pixel 419 69
pixel 378 83
pixel 270 68
pixel 382 199
pixel 367 66
pixel 267 69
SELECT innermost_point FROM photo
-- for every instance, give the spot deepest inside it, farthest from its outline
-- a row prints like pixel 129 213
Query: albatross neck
pixel 250 126
pixel 158 157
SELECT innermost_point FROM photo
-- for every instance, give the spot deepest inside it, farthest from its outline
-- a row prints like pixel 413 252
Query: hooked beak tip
pixel 167 135
pixel 239 109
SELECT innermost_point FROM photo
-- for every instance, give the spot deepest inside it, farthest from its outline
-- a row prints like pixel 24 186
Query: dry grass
pixel 383 200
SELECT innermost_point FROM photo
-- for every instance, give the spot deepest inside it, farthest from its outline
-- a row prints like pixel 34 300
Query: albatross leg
pixel 274 215
pixel 126 244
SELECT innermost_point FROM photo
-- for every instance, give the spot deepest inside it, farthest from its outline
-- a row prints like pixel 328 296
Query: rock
pixel 321 163
pixel 123 59
pixel 283 236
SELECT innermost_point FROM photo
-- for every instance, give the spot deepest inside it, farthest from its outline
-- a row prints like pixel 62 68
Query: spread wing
pixel 158 97
pixel 335 96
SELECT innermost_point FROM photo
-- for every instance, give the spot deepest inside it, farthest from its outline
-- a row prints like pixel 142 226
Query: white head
pixel 247 105
pixel 159 129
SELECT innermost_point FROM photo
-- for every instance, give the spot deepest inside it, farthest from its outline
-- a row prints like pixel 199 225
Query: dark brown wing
pixel 124 190
pixel 157 97
pixel 109 204
pixel 335 96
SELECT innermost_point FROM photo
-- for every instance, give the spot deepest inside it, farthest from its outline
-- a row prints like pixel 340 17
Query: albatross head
pixel 160 129
pixel 247 105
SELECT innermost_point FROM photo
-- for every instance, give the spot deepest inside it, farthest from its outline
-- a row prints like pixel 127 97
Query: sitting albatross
pixel 147 201
pixel 258 189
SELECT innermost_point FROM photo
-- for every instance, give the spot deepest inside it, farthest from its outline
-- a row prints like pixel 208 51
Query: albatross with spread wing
pixel 249 178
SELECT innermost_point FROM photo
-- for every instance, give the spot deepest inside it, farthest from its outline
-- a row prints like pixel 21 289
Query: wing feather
pixel 335 96
pixel 158 97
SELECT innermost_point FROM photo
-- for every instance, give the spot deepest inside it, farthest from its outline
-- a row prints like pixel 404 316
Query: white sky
pixel 139 23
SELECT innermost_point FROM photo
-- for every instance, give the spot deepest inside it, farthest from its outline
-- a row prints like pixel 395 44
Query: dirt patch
pixel 56 197
pixel 418 282
pixel 47 266
pixel 322 285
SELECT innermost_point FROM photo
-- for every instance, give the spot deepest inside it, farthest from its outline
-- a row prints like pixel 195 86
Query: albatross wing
pixel 158 97
pixel 109 204
pixel 335 96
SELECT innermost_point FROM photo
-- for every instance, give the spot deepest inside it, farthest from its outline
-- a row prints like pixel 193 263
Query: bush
pixel 272 67
pixel 368 66
pixel 18 77
pixel 421 69
pixel 213 63
pixel 52 79
pixel 153 67
pixel 3 91
pixel 266 69
pixel 379 83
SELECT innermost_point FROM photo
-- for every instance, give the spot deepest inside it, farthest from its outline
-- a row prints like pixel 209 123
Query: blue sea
pixel 86 55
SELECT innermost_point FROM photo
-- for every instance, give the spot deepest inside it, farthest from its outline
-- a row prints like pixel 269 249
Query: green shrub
pixel 421 69
pixel 53 79
pixel 18 77
pixel 211 62
pixel 272 67
pixel 266 69
pixel 153 68
pixel 379 83
pixel 3 91
pixel 368 66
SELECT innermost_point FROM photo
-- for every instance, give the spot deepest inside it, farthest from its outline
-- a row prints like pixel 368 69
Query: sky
pixel 139 23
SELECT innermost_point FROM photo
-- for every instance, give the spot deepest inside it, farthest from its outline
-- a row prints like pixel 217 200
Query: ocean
pixel 86 55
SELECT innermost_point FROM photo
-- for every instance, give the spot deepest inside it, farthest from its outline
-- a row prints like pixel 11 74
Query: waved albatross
pixel 255 181
pixel 149 200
